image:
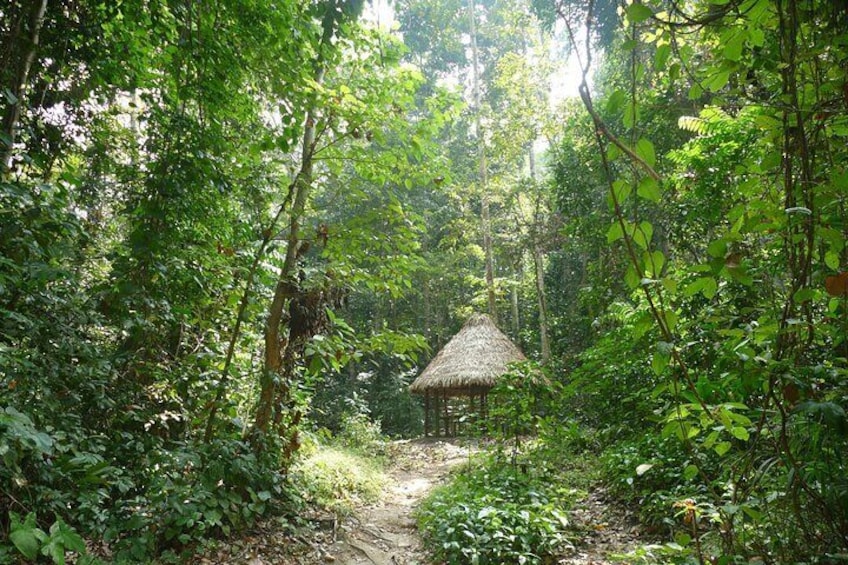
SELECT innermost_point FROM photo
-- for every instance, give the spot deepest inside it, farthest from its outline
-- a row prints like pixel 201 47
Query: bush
pixel 494 514
pixel 359 432
pixel 656 474
pixel 195 492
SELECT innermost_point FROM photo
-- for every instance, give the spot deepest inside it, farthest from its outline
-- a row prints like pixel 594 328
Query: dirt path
pixel 385 533
pixel 604 530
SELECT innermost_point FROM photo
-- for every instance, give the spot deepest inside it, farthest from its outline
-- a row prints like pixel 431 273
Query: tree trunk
pixel 275 379
pixel 516 319
pixel 538 261
pixel 483 173
pixel 277 344
pixel 24 45
pixel 539 268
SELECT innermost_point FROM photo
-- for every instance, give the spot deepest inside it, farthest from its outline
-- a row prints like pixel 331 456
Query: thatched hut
pixel 467 367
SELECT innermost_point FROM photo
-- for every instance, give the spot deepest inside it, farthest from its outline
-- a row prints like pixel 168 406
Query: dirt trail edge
pixel 385 533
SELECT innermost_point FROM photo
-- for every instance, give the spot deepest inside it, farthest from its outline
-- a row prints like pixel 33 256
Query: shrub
pixel 195 492
pixel 358 431
pixel 646 472
pixel 494 514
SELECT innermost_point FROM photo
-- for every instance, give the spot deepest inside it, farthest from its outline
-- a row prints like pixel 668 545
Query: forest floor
pixel 384 532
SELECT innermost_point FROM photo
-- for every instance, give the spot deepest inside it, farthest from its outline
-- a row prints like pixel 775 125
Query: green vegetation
pixel 226 226
pixel 336 479
pixel 338 473
pixel 492 512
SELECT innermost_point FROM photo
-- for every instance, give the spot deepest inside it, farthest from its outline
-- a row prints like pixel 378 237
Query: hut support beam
pixel 438 423
pixel 427 413
pixel 447 414
pixel 482 413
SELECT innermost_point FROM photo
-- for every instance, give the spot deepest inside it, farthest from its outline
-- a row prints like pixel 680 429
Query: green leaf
pixel 661 57
pixel 643 234
pixel 670 318
pixel 695 92
pixel 616 100
pixel 767 122
pixel 629 45
pixel 717 248
pixel 26 542
pixel 739 433
pixel 614 233
pixel 632 278
pixel 805 295
pixel 659 361
pixel 631 115
pixel 718 81
pixel 622 189
pixel 755 515
pixel 705 285
pixel 674 72
pixel 722 448
pixel 648 230
pixel 733 47
pixel 654 263
pixel 645 150
pixel 638 13
pixel 26 536
pixel 831 259
pixel 690 472
pixel 649 189
pixel 682 539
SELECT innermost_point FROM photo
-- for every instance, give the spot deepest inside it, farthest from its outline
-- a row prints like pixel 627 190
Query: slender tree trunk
pixel 516 320
pixel 538 262
pixel 24 44
pixel 273 381
pixel 428 310
pixel 539 268
pixel 275 342
pixel 483 173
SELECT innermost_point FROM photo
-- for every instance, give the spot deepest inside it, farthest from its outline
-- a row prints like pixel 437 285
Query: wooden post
pixel 447 414
pixel 482 413
pixel 469 417
pixel 436 412
pixel 426 413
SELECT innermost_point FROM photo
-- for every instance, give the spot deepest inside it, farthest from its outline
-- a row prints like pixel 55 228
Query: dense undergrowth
pixel 202 255
pixel 512 504
pixel 494 512
pixel 187 497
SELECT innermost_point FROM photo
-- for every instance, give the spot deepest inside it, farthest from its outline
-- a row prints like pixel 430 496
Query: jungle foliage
pixel 228 228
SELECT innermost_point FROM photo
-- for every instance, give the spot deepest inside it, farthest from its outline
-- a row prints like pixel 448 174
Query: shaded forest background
pixel 229 227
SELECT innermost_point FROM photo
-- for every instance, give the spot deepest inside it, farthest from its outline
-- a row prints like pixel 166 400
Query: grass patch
pixel 339 478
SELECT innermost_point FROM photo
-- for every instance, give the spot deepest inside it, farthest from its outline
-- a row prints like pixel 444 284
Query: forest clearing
pixel 461 282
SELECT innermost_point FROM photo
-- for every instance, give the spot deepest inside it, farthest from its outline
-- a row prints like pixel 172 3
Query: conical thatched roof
pixel 471 361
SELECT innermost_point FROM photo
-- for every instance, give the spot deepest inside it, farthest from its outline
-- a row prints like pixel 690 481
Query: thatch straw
pixel 472 360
